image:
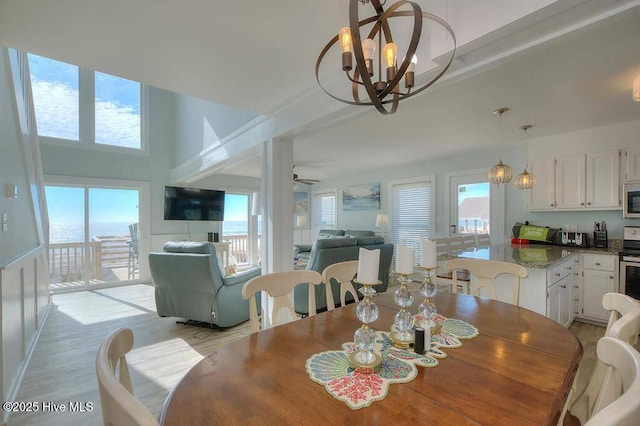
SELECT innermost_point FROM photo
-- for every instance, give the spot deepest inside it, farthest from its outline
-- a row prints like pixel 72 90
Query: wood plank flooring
pixel 62 368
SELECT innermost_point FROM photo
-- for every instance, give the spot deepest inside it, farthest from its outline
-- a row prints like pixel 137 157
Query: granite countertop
pixel 534 256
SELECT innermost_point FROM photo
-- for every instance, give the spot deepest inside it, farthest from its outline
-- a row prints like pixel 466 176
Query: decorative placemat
pixel 331 368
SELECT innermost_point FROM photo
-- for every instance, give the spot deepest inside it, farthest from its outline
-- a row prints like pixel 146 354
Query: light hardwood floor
pixel 62 368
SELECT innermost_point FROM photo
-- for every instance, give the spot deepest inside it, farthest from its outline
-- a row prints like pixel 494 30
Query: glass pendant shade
pixel 636 88
pixel 500 173
pixel 525 180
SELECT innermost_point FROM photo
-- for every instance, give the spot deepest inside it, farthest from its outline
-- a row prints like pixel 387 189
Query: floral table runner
pixel 331 368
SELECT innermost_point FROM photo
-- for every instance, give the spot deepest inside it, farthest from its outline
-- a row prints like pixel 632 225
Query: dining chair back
pixel 484 272
pixel 343 273
pixel 456 243
pixel 119 405
pixel 279 285
pixel 468 241
pixel 618 402
pixel 442 245
pixel 483 240
pixel 624 325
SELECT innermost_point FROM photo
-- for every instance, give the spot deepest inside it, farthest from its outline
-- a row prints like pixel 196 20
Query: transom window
pixel 75 104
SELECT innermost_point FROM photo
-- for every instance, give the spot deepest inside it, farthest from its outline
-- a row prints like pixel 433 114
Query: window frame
pixel 432 184
pixel 86 118
pixel 315 226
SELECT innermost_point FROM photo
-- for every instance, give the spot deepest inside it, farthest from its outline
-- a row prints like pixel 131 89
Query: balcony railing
pixel 107 259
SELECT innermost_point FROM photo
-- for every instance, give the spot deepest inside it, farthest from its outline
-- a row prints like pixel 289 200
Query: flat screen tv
pixel 193 204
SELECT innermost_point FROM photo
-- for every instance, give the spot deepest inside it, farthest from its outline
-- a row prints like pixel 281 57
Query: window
pixel 412 207
pixel 324 210
pixel 74 104
pixel 474 205
pixel 474 208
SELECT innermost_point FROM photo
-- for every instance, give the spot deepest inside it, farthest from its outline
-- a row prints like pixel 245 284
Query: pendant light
pixel 500 173
pixel 525 180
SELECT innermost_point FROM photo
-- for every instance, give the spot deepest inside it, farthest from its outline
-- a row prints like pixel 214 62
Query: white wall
pixel 202 124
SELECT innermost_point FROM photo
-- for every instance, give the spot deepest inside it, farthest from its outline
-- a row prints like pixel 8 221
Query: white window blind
pixel 324 210
pixel 411 214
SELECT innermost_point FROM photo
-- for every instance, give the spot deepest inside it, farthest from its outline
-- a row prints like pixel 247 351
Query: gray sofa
pixel 189 284
pixel 327 251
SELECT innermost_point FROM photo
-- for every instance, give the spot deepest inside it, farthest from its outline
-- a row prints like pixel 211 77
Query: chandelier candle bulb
pixel 428 254
pixel 368 266
pixel 404 260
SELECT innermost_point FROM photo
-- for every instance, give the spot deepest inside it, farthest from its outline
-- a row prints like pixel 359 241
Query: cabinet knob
pixel 563 286
pixel 551 205
pixel 576 300
pixel 557 274
pixel 582 204
pixel 588 204
pixel 576 274
pixel 575 286
pixel 597 263
pixel 610 277
pixel 569 268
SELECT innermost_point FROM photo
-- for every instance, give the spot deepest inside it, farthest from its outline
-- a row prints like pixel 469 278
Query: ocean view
pixel 74 232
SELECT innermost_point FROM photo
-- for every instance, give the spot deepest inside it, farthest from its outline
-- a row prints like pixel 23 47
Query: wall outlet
pixel 572 227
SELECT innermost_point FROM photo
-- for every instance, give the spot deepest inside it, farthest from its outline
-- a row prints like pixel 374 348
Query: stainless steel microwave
pixel 631 200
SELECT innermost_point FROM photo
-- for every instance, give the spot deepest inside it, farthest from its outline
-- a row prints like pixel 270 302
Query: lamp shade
pixel 500 173
pixel 381 220
pixel 525 180
pixel 301 221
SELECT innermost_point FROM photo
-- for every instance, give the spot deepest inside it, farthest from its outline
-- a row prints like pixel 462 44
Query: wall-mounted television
pixel 193 204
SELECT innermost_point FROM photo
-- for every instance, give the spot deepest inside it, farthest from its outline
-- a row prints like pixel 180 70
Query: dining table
pixel 518 370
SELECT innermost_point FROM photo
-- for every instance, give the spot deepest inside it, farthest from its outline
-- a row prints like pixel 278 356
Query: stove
pixel 630 262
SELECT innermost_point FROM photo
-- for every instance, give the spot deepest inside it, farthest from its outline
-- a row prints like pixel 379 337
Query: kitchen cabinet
pixel 599 277
pixel 561 292
pixel 633 164
pixel 576 182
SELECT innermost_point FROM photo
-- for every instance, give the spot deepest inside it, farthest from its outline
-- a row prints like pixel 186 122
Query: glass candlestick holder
pixel 401 335
pixel 364 359
pixel 427 308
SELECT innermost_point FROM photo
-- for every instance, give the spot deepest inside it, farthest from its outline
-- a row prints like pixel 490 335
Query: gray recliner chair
pixel 189 284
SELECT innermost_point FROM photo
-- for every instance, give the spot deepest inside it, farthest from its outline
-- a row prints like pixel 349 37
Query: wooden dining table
pixel 518 370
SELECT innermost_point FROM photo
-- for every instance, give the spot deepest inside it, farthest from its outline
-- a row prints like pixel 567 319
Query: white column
pixel 277 200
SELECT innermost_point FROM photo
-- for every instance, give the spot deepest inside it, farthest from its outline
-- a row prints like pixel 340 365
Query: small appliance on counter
pixel 572 239
pixel 600 238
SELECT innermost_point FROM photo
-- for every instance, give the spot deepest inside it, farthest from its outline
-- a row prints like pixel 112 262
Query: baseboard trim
pixel 12 394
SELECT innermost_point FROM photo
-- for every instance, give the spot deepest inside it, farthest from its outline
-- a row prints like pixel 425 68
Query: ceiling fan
pixel 298 179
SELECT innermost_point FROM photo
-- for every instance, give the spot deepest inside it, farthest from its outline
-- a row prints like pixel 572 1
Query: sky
pixel 55 87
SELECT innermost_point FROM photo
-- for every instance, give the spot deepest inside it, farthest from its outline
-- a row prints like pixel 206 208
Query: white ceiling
pixel 567 66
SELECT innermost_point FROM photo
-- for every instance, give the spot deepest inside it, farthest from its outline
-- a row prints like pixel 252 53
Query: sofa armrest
pixel 242 277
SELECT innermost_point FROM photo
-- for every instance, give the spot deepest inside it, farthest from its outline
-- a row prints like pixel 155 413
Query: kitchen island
pixel 554 286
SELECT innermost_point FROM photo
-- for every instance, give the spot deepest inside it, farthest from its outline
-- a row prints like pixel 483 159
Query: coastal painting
pixel 361 197
pixel 300 202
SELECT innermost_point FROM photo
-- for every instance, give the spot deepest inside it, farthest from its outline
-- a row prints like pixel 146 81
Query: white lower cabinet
pixel 562 292
pixel 600 273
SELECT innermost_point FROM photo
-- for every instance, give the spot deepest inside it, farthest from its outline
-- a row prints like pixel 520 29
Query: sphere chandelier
pixel 525 180
pixel 385 92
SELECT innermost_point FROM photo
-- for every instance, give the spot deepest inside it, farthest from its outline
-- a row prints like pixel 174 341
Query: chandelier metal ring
pixel 379 98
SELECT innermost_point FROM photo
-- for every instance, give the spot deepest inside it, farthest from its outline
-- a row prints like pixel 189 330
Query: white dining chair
pixel 618 402
pixel 279 285
pixel 343 273
pixel 483 273
pixel 483 240
pixel 624 325
pixel 119 405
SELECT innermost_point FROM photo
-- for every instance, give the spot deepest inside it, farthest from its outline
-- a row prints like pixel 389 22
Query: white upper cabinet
pixel 542 197
pixel 577 182
pixel 570 178
pixel 633 164
pixel 603 179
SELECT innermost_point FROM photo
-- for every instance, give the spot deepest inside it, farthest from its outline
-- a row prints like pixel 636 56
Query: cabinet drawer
pixel 558 272
pixel 600 262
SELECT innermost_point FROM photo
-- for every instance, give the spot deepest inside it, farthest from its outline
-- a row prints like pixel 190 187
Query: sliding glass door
pixel 94 236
